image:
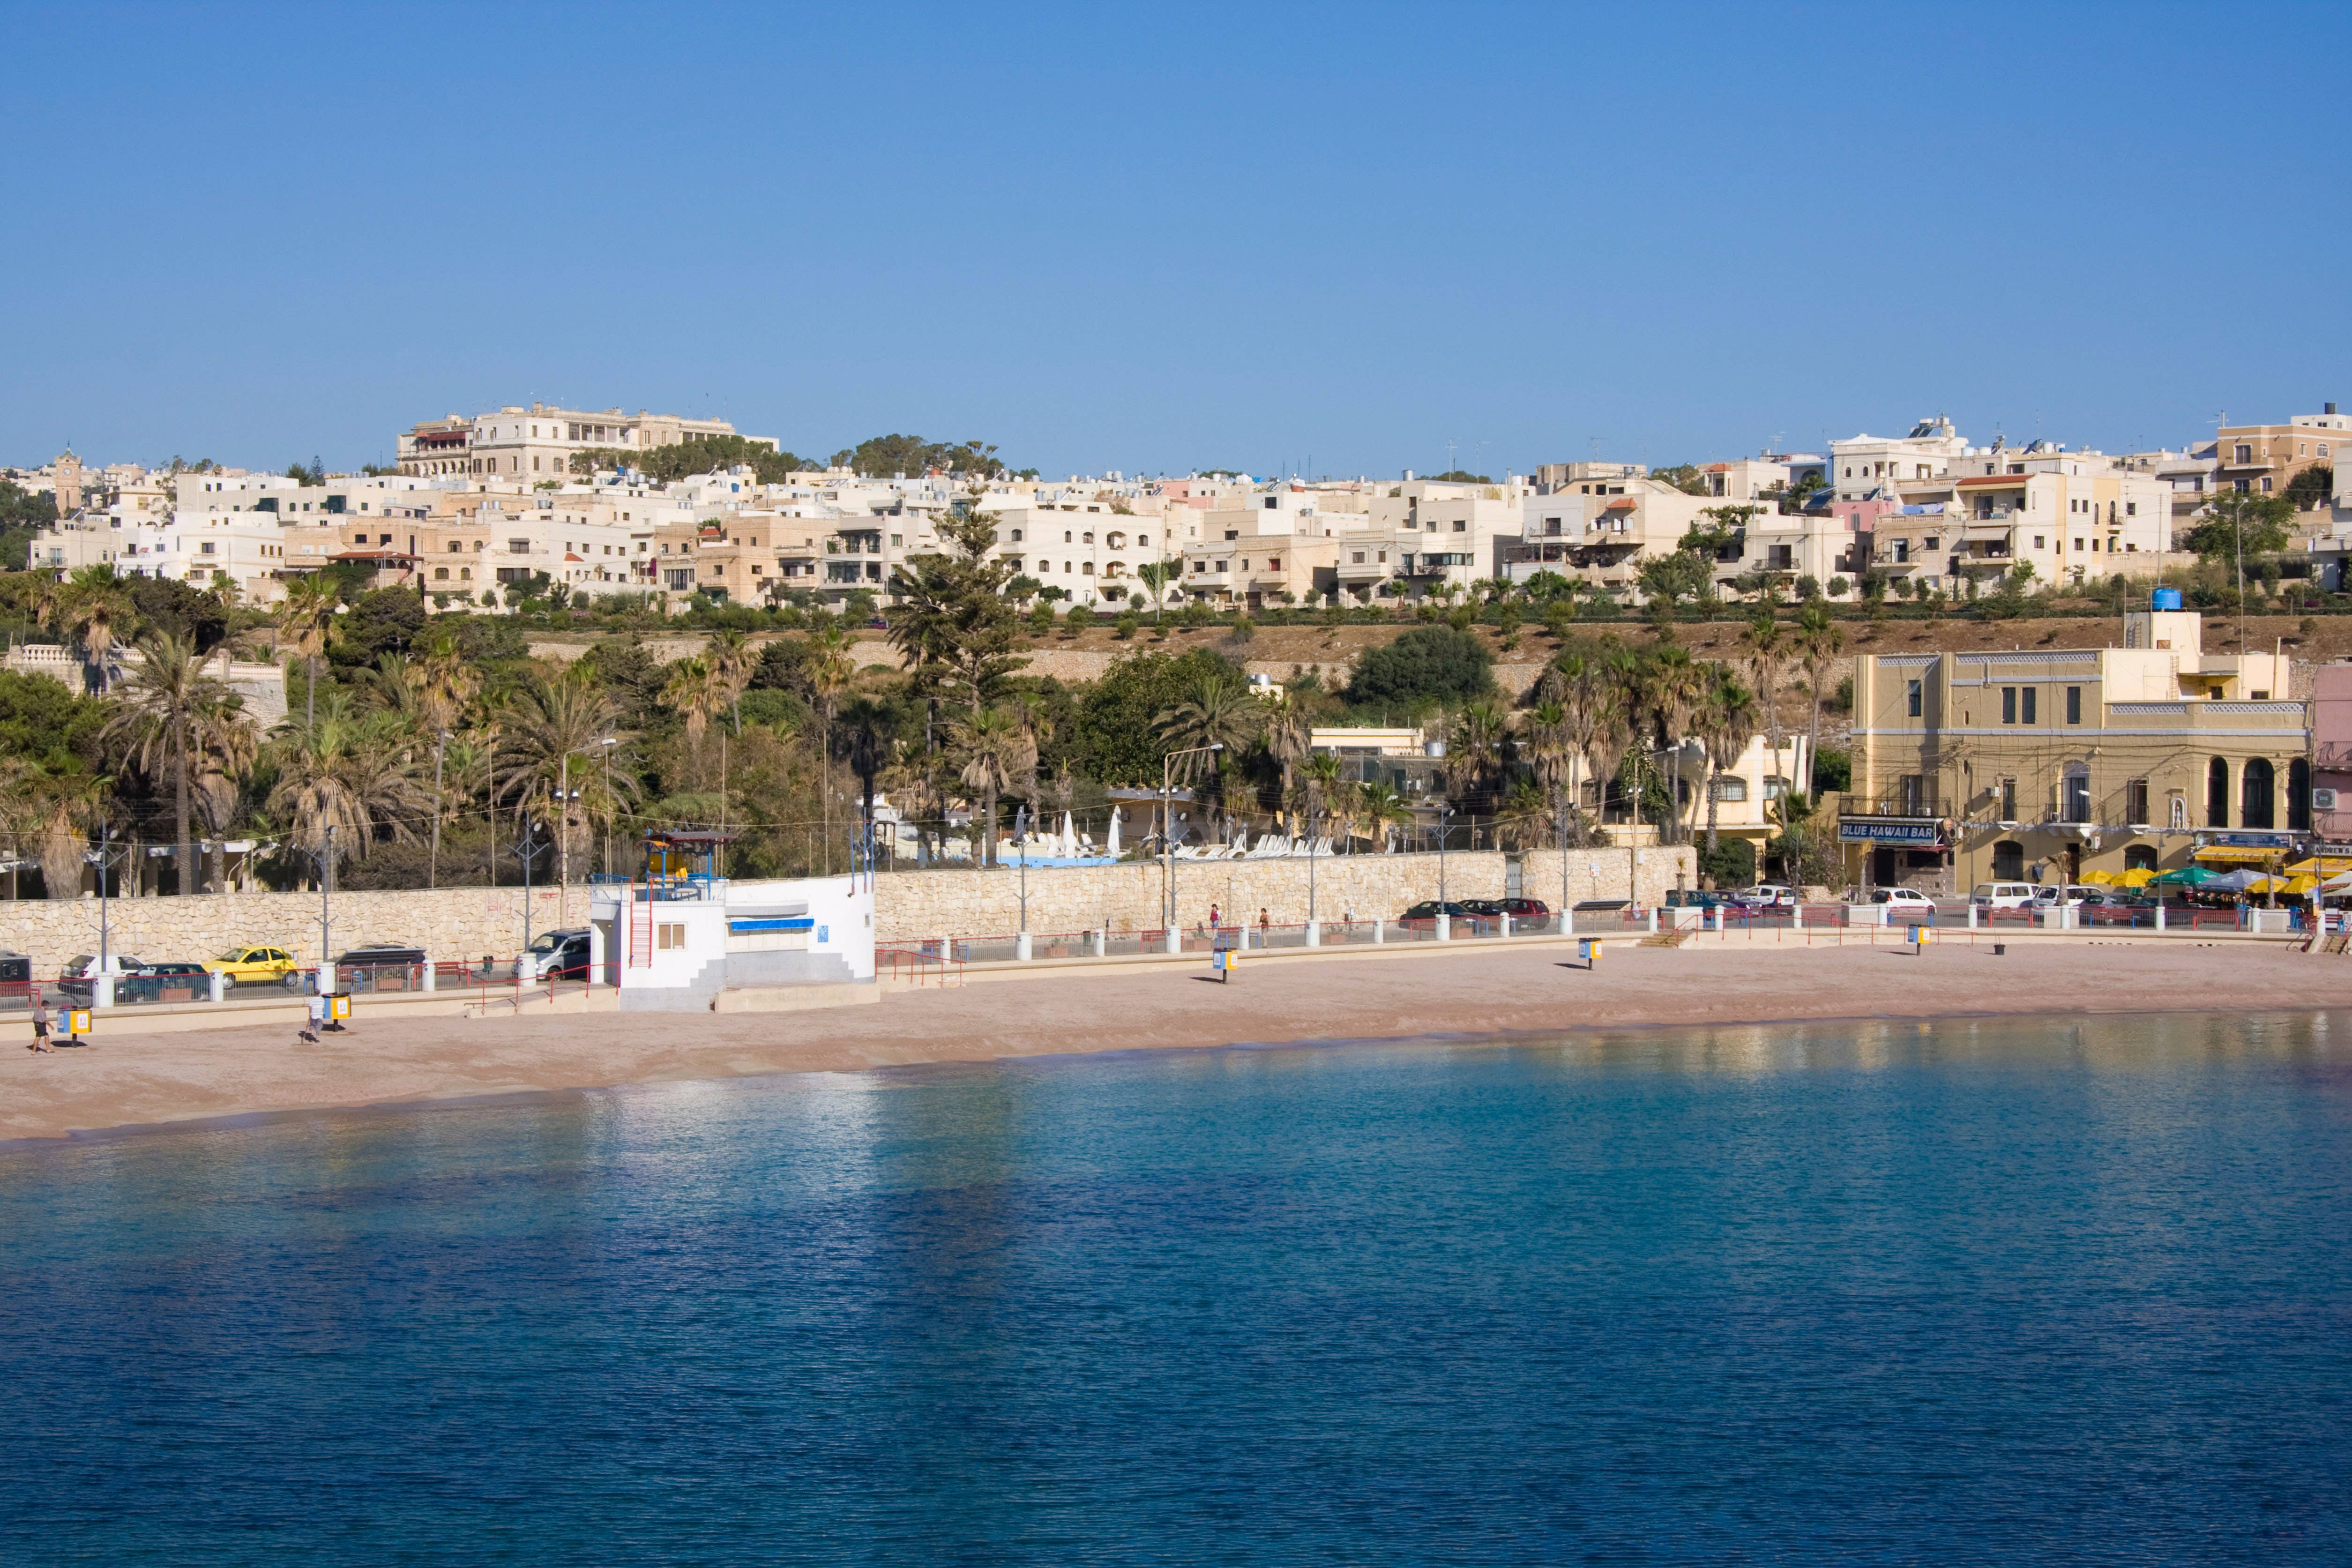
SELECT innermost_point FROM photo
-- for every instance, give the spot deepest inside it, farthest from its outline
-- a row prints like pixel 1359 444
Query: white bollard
pixel 219 986
pixel 1099 940
pixel 1654 920
pixel 1795 917
pixel 326 977
pixel 526 968
pixel 1972 914
pixel 101 991
pixel 1506 924
pixel 1315 933
pixel 1021 947
pixel 2159 914
pixel 1380 930
pixel 431 977
pixel 1444 926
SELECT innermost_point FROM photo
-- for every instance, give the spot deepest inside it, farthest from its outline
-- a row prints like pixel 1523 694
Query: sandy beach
pixel 131 1080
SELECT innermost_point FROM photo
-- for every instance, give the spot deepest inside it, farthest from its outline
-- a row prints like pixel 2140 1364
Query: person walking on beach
pixel 315 1005
pixel 1213 921
pixel 1264 925
pixel 40 1026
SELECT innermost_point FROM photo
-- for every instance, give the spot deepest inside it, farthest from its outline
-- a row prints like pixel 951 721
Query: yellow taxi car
pixel 257 966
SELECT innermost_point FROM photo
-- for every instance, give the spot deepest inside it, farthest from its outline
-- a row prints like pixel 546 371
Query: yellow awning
pixel 2232 854
pixel 2319 865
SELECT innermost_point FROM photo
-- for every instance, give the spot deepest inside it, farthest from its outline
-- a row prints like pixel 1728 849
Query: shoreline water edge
pixel 131 1083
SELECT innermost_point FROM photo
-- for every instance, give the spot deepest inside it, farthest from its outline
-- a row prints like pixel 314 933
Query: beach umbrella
pixel 1114 833
pixel 2238 881
pixel 2137 877
pixel 2098 879
pixel 2301 887
pixel 2187 877
pixel 1069 836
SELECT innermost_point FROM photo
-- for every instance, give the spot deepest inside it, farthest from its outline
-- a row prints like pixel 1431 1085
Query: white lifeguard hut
pixel 674 938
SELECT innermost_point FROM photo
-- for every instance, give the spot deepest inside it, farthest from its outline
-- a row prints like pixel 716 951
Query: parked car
pixel 258 965
pixel 78 978
pixel 173 982
pixel 2002 895
pixel 2075 895
pixel 16 970
pixel 1426 913
pixel 1900 898
pixel 379 955
pixel 1698 899
pixel 1766 896
pixel 1526 909
pixel 562 954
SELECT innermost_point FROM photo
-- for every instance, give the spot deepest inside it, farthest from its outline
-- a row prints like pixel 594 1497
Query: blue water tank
pixel 2163 599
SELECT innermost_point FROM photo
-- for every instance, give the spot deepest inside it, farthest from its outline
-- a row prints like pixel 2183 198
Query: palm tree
pixel 1726 717
pixel 1218 712
pixel 732 662
pixel 1616 682
pixel 1548 748
pixel 554 742
pixel 1673 682
pixel 314 791
pixel 1381 808
pixel 159 722
pixel 1289 735
pixel 693 691
pixel 231 743
pixel 828 672
pixel 1474 754
pixel 1322 783
pixel 1821 642
pixel 1000 757
pixel 1767 653
pixel 98 614
pixel 303 616
pixel 867 723
pixel 62 808
pixel 1526 814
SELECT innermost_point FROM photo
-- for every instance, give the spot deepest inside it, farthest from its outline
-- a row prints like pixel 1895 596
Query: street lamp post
pixel 1168 824
pixel 606 745
pixel 526 847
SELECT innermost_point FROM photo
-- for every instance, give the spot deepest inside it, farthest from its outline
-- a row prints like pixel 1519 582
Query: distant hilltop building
pixel 68 468
pixel 516 443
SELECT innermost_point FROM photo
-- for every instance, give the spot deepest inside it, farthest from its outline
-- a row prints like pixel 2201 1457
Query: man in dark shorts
pixel 40 1024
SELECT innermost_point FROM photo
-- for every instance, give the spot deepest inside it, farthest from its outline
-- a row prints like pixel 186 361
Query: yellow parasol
pixel 2099 878
pixel 2137 877
pixel 2300 887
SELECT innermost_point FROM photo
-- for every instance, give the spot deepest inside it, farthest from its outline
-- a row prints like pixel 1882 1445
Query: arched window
pixel 2217 792
pixel 2298 795
pixel 2139 858
pixel 2009 861
pixel 2257 810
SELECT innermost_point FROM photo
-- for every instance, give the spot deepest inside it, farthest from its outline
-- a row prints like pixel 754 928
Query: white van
pixel 2002 895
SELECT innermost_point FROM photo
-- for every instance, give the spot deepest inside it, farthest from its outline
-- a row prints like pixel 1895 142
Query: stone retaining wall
pixel 913 905
pixel 448 923
pixel 467 922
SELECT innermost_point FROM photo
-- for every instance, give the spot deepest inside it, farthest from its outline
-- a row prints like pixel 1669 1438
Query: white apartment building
pixel 2071 516
pixel 536 444
pixel 1286 544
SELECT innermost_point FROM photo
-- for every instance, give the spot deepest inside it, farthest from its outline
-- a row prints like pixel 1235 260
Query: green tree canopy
pixel 703 455
pixel 879 456
pixel 1438 664
pixel 45 723
pixel 2311 487
pixel 1118 736
pixel 2238 521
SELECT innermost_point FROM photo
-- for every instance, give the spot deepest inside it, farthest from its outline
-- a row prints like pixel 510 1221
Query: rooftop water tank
pixel 2163 599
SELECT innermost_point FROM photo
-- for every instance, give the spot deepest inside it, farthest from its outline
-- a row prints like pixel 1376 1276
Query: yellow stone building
pixel 2041 765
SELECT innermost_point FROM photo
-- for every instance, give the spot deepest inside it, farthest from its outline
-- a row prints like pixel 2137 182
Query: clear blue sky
pixel 1154 238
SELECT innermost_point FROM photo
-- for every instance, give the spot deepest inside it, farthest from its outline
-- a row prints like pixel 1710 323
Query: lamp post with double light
pixel 1167 821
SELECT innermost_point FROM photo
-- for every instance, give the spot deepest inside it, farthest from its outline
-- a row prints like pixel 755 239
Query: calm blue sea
pixel 1987 1292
